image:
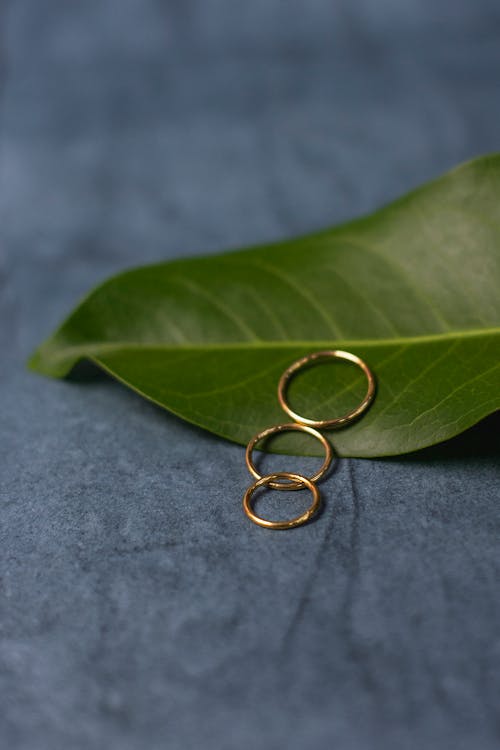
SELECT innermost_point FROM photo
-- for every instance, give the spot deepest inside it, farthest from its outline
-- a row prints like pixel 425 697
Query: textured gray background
pixel 139 608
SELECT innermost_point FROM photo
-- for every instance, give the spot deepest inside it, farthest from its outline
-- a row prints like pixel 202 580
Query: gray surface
pixel 139 608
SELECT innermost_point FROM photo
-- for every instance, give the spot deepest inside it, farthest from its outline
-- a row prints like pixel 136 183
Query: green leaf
pixel 414 289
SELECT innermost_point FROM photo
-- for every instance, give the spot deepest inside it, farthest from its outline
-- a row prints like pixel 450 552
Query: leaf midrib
pixel 97 347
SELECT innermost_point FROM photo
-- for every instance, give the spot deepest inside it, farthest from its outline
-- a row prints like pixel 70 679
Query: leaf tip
pixel 33 362
pixel 43 363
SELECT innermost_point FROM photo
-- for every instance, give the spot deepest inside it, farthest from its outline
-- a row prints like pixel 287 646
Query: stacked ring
pixel 302 424
pixel 284 428
pixel 310 359
pixel 266 482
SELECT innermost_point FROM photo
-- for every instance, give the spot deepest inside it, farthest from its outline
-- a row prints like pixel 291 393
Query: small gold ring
pixel 284 428
pixel 311 359
pixel 265 481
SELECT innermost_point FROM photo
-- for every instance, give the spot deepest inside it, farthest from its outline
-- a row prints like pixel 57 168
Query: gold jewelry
pixel 313 359
pixel 264 434
pixel 265 482
pixel 302 424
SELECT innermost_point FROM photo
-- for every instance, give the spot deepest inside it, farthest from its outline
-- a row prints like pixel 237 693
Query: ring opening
pixel 248 501
pixel 324 390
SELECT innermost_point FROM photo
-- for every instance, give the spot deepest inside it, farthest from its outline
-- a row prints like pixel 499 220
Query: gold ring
pixel 299 520
pixel 284 428
pixel 311 359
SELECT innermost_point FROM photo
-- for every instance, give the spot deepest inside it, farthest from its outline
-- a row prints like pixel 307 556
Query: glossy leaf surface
pixel 414 289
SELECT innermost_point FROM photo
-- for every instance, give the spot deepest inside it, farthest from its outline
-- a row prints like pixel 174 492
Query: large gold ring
pixel 284 428
pixel 265 481
pixel 312 359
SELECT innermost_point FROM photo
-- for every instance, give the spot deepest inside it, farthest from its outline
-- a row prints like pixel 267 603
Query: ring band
pixel 311 359
pixel 284 428
pixel 265 482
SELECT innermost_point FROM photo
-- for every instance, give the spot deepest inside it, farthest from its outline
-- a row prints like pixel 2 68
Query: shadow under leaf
pixel 481 440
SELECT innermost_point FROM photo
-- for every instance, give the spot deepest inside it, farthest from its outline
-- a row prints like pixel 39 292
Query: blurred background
pixel 137 130
pixel 133 131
